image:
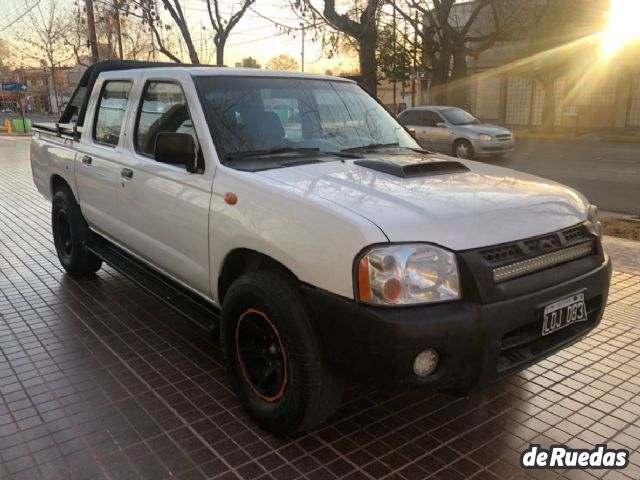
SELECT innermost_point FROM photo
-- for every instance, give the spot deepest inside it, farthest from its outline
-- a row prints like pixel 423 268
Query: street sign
pixel 13 86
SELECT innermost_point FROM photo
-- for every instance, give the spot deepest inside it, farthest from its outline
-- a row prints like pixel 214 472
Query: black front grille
pixel 504 136
pixel 507 270
pixel 507 253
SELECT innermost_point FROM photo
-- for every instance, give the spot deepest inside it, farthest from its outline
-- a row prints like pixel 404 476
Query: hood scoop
pixel 414 169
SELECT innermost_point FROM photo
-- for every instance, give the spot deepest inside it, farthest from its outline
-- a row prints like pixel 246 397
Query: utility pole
pixel 414 77
pixel 302 51
pixel 395 65
pixel 91 25
pixel 116 6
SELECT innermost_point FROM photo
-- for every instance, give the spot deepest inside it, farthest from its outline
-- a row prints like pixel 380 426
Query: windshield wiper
pixel 284 150
pixel 370 147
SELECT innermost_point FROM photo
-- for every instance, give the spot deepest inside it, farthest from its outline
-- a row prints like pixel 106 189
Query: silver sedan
pixel 456 132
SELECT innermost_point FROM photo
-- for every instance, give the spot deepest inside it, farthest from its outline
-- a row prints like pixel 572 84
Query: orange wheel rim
pixel 262 356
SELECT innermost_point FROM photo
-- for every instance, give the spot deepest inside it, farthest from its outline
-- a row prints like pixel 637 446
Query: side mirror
pixel 442 125
pixel 412 132
pixel 176 149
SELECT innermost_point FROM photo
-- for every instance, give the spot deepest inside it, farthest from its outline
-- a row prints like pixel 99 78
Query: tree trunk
pixel 220 43
pixel 55 89
pixel 438 89
pixel 549 104
pixel 458 94
pixel 368 64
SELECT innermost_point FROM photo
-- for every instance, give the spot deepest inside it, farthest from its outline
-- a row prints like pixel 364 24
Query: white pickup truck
pixel 295 217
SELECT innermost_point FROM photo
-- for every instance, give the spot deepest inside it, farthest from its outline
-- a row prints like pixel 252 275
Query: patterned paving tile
pixel 99 380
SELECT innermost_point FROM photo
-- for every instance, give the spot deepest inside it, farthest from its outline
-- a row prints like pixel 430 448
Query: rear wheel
pixel 275 360
pixel 463 149
pixel 70 235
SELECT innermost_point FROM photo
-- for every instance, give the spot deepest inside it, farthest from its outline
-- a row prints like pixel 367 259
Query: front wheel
pixel 275 360
pixel 70 235
pixel 463 149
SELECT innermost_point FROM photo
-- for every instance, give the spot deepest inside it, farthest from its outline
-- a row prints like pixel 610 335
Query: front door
pixel 164 207
pixel 437 138
pixel 97 169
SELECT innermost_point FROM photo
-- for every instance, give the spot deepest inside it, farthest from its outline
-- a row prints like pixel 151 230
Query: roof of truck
pixel 80 98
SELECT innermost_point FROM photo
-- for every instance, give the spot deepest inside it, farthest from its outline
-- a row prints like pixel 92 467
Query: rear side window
pixel 110 114
pixel 409 117
pixel 163 109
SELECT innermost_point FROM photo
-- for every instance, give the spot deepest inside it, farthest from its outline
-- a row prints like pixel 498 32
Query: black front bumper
pixel 477 342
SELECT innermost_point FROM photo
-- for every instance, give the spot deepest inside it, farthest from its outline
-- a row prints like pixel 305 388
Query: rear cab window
pixel 110 112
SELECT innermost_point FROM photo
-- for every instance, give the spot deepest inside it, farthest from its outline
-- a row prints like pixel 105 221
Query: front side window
pixel 252 113
pixel 430 119
pixel 163 110
pixel 110 113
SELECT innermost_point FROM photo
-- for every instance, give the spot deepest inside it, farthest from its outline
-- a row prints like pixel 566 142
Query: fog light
pixel 425 363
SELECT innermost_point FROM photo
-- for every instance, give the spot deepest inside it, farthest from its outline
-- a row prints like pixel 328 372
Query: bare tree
pixel 222 27
pixel 449 32
pixel 175 18
pixel 359 22
pixel 41 39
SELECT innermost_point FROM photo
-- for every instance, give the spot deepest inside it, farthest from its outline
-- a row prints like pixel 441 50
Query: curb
pixel 25 135
pixel 562 136
pixel 621 139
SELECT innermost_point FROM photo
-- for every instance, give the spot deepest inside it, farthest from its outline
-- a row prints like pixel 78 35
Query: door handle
pixel 87 160
pixel 126 173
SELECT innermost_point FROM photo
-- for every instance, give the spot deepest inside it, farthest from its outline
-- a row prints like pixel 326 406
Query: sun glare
pixel 622 26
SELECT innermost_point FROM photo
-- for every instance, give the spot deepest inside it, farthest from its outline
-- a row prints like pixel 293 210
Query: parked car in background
pixel 454 131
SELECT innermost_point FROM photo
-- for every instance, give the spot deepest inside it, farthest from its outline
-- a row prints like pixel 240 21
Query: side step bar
pixel 185 302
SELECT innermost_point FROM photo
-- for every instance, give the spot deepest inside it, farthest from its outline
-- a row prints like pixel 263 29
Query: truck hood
pixel 486 205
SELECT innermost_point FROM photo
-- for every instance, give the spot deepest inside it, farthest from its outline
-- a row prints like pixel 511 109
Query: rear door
pixel 99 154
pixel 437 137
pixel 412 119
pixel 164 207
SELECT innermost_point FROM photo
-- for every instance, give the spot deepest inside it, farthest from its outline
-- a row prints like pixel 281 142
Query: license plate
pixel 563 313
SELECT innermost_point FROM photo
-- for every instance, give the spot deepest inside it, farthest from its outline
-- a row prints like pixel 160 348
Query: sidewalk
pixel 625 254
pixel 600 135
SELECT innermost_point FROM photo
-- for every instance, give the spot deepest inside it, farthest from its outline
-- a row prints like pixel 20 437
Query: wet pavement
pixel 100 380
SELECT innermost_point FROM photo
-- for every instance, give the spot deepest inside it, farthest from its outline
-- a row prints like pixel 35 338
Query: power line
pixel 20 17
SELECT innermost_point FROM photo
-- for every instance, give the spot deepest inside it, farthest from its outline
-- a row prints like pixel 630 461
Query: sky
pixel 255 35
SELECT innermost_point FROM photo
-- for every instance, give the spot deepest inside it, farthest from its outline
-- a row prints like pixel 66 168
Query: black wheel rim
pixel 64 239
pixel 262 356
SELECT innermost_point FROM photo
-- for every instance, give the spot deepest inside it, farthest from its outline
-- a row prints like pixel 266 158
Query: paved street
pixel 607 173
pixel 99 380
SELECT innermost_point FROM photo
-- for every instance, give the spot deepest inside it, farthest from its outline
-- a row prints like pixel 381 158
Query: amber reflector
pixel 364 286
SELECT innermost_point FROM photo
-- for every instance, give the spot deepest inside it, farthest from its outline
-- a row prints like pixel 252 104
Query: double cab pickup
pixel 293 217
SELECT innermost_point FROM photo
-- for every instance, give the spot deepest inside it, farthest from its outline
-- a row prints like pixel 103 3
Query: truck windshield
pixel 258 114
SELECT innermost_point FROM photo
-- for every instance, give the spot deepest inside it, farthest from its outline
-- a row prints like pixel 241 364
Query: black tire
pixel 462 149
pixel 70 235
pixel 302 391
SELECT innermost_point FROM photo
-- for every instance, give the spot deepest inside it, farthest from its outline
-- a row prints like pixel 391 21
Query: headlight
pixel 485 137
pixel 593 222
pixel 407 274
